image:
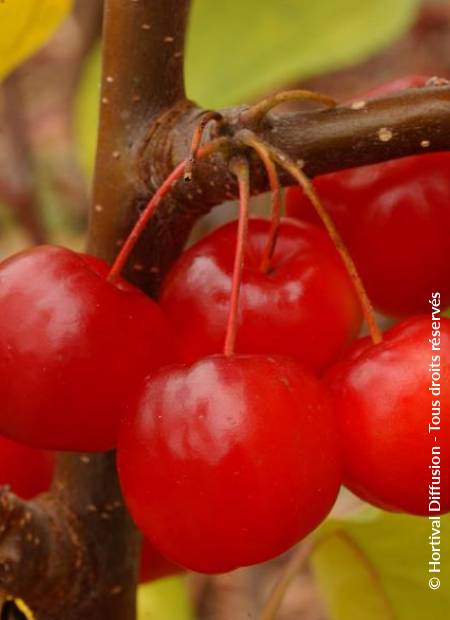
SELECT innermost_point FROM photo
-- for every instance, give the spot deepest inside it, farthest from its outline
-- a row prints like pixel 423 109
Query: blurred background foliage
pixel 369 565
pixel 166 599
pixel 259 45
pixel 377 561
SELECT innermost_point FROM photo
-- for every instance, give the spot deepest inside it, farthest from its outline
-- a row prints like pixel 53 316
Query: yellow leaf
pixel 165 599
pixel 25 25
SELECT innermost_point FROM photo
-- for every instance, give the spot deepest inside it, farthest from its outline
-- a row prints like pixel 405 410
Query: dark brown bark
pixel 73 552
pixel 142 77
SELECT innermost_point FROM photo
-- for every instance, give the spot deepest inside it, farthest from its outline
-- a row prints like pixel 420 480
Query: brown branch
pixel 142 76
pixel 414 121
pixel 39 550
pixel 71 553
pixel 417 121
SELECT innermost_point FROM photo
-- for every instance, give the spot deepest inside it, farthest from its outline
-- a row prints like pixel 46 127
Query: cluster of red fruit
pixel 228 460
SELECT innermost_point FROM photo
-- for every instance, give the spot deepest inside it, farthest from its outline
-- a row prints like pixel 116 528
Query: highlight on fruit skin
pixel 395 221
pixel 73 347
pixel 284 311
pixel 395 435
pixel 230 461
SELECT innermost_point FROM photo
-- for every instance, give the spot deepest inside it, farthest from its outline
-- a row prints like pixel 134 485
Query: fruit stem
pixel 276 206
pixel 205 118
pixel 161 192
pixel 256 113
pixel 291 570
pixel 239 167
pixel 283 160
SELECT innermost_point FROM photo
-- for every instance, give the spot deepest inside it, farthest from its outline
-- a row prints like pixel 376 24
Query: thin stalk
pixel 276 206
pixel 205 118
pixel 239 167
pixel 176 174
pixel 248 138
pixel 256 113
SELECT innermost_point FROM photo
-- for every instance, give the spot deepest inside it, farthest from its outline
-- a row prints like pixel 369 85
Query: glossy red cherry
pixel 26 470
pixel 305 306
pixel 153 565
pixel 230 461
pixel 384 404
pixel 395 220
pixel 73 347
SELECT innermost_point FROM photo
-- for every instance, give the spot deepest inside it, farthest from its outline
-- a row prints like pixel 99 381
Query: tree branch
pixel 414 121
pixel 71 553
pixel 417 121
pixel 142 76
pixel 52 547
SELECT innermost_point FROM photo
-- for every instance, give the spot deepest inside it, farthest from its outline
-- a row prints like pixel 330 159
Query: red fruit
pixel 26 470
pixel 305 306
pixel 230 461
pixel 73 347
pixel 388 88
pixel 154 565
pixel 384 404
pixel 395 221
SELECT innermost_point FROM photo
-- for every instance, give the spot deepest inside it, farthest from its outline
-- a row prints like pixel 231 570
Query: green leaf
pixel 239 49
pixel 374 565
pixel 165 599
pixel 25 25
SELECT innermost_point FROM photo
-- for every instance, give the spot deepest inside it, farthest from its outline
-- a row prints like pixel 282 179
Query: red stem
pixel 239 167
pixel 276 208
pixel 151 207
pixel 256 113
pixel 284 161
pixel 205 118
